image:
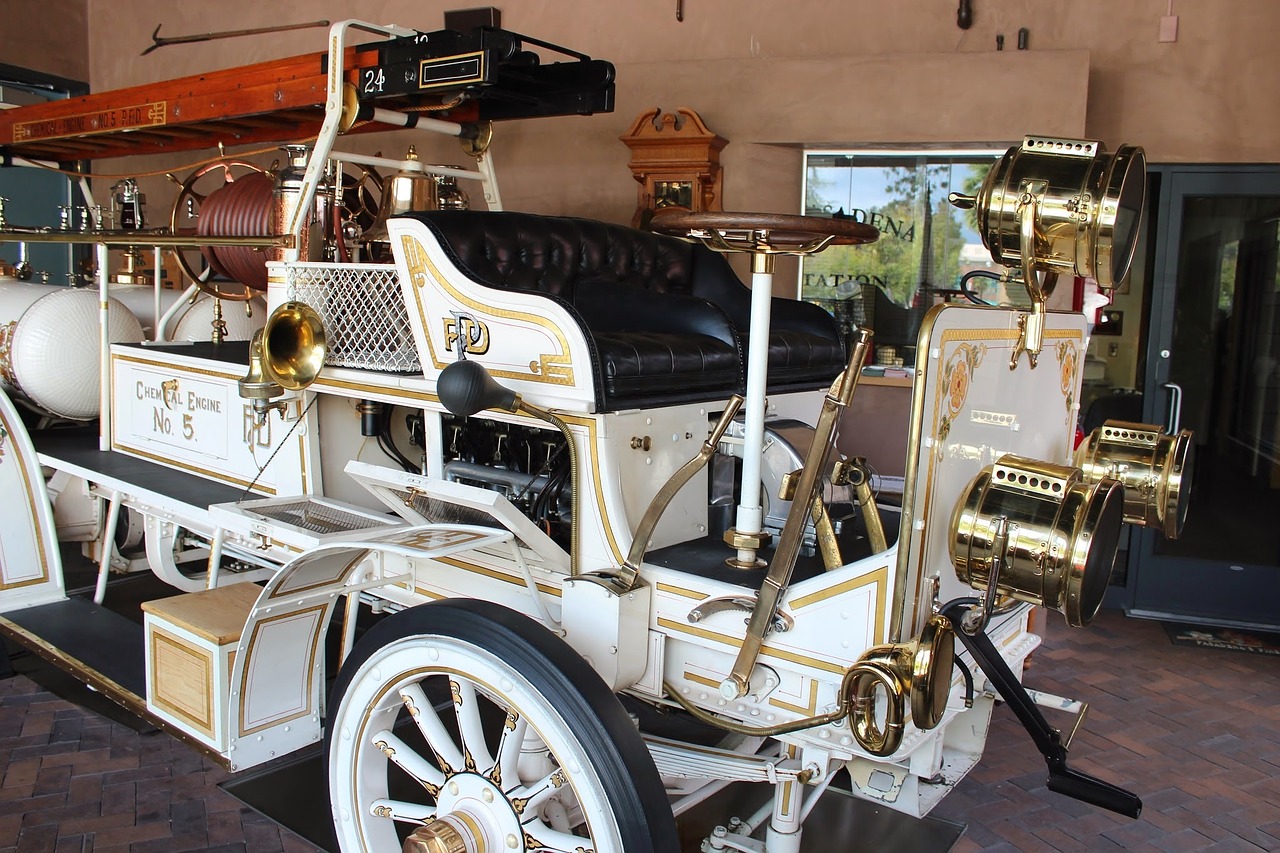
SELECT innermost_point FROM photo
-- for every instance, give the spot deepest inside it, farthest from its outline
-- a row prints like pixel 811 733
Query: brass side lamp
pixel 1038 532
pixel 1154 467
pixel 1060 205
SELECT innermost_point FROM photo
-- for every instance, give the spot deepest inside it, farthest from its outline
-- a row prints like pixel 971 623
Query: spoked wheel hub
pixel 463 727
pixel 470 818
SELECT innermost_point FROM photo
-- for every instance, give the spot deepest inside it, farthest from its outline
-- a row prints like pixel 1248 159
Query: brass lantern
pixel 1154 467
pixel 1060 205
pixel 1041 532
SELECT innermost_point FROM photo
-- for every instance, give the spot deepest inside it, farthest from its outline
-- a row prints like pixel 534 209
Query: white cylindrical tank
pixel 194 322
pixel 49 346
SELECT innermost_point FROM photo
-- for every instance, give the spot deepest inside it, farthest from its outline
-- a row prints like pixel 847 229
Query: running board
pixel 99 648
pixel 1062 779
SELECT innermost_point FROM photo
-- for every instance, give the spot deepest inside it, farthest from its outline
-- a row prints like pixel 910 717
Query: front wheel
pixel 468 726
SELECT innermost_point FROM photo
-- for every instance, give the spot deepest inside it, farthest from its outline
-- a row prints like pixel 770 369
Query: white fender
pixel 30 566
pixel 277 677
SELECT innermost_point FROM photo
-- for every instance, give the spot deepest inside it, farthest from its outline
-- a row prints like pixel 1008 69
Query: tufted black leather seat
pixel 667 319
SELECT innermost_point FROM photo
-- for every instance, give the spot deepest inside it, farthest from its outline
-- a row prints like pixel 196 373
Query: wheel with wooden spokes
pixel 463 725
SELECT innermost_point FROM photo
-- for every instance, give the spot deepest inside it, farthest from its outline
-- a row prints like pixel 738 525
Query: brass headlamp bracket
pixel 1031 325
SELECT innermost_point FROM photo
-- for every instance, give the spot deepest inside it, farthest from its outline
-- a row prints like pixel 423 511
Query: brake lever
pixel 1062 779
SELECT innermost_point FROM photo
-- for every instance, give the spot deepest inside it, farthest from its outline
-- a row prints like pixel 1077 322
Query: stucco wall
pixel 771 77
pixel 48 36
pixel 1208 97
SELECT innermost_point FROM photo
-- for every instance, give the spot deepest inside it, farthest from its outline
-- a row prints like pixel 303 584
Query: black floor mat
pixel 1227 639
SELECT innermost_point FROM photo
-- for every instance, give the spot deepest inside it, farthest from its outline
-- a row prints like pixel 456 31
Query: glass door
pixel 1213 366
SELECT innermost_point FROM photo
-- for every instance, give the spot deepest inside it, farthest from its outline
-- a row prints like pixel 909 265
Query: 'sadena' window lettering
pixel 925 243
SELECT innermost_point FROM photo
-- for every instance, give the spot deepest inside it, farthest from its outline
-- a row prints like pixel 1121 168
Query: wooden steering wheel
pixel 762 233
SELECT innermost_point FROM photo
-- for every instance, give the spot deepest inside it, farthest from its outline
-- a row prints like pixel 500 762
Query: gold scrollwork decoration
pixel 1068 361
pixel 6 353
pixel 960 368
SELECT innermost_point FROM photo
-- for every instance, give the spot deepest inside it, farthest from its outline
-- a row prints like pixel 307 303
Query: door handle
pixel 1173 418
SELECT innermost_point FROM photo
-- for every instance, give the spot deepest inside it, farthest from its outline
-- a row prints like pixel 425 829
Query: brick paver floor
pixel 1195 732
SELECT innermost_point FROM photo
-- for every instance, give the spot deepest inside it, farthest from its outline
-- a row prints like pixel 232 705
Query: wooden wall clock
pixel 676 161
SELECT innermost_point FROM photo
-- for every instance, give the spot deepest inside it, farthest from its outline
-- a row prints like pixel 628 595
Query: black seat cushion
pixel 677 366
pixel 798 358
pixel 653 343
pixel 806 348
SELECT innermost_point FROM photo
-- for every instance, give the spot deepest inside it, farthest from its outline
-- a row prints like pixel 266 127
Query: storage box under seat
pixel 190 645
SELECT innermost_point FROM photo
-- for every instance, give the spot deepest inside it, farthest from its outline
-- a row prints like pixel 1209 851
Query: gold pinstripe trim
pixel 197 656
pixel 204 472
pixel 701 679
pixel 487 572
pixel 800 709
pixel 780 654
pixel 879 577
pixel 681 591
pixel 319 625
pixel 375 390
pixel 42 539
pixel 169 367
pixel 554 368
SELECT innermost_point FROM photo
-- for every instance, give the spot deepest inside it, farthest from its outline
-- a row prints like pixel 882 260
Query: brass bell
pixel 407 191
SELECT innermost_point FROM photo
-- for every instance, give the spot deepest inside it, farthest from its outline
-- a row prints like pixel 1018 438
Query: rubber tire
pixel 551 666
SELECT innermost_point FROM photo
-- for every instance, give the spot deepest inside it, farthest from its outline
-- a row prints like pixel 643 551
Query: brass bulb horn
pixel 1038 532
pixel 1154 467
pixel 285 354
pixel 918 671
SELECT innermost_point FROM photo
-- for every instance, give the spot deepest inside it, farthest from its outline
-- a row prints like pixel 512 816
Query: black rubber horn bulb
pixel 465 388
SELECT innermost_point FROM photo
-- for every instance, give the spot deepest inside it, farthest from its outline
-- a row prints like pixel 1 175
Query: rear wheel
pixel 464 723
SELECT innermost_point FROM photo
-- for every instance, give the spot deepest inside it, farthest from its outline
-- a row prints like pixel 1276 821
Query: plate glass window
pixel 926 245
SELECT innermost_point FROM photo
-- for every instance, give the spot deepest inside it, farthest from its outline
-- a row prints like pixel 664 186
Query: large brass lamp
pixel 1154 467
pixel 1040 533
pixel 1060 205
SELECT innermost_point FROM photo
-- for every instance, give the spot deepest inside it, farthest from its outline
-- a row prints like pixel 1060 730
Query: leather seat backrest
pixel 552 254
